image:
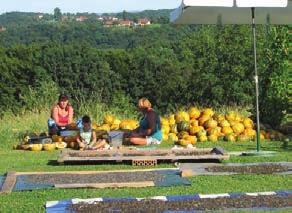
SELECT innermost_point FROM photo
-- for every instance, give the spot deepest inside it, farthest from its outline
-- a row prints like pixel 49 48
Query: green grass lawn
pixel 34 201
pixel 46 161
pixel 17 160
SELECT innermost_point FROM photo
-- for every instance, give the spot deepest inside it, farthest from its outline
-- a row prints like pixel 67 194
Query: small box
pixel 67 133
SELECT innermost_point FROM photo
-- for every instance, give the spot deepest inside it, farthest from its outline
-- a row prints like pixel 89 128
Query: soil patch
pixel 93 154
pixel 111 177
pixel 157 206
pixel 257 169
pixel 138 153
pixel 190 153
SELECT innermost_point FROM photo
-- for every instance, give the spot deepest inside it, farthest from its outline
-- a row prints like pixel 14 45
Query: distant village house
pixel 65 18
pixel 40 16
pixel 127 23
pixel 110 18
pixel 2 29
pixel 108 24
pixel 111 21
pixel 100 18
pixel 143 22
pixel 81 18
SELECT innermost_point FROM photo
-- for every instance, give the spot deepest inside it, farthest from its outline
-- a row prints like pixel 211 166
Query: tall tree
pixel 125 15
pixel 57 14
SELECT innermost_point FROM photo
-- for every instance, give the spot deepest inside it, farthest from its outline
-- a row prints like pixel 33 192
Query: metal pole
pixel 256 78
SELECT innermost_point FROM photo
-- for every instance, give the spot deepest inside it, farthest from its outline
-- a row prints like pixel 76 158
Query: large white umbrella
pixel 236 12
pixel 232 12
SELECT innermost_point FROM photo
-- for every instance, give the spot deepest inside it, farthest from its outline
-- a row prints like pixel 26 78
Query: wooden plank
pixel 9 182
pixel 120 155
pixel 158 152
pixel 93 172
pixel 177 157
pixel 135 152
pixel 106 185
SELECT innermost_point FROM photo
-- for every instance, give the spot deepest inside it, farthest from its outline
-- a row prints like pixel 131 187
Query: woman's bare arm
pixel 55 116
pixel 70 114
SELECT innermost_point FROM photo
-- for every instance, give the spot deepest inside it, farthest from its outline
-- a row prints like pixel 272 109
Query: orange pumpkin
pixel 194 113
pixel 57 138
pixel 238 128
pixel 203 138
pixel 108 119
pixel 226 130
pixel 213 138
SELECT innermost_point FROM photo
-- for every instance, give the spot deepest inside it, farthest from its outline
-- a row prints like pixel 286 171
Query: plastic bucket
pixel 116 138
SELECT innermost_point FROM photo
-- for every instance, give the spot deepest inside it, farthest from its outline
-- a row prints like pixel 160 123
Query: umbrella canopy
pixel 232 12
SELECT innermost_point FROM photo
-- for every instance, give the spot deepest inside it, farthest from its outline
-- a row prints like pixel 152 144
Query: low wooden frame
pixel 134 155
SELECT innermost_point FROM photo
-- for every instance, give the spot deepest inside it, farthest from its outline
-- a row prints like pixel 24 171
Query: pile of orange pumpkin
pixel 192 126
pixel 200 125
pixel 183 127
pixel 111 123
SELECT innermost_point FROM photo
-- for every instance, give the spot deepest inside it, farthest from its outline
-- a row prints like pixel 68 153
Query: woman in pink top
pixel 61 116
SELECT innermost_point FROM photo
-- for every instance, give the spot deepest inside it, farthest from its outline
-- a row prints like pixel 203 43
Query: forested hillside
pixel 172 65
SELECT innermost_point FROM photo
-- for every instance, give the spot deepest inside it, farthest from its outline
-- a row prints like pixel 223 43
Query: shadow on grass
pixel 128 162
pixel 277 146
pixel 53 163
pixel 78 163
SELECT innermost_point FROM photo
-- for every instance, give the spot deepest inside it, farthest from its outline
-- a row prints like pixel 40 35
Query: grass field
pixel 34 201
pixel 46 161
pixel 38 161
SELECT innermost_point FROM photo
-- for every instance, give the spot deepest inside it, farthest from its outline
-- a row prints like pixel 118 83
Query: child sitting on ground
pixel 87 137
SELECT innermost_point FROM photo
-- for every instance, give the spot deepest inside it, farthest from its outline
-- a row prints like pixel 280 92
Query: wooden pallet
pixel 137 157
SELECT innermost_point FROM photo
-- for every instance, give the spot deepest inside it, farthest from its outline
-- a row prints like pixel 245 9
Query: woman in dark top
pixel 149 130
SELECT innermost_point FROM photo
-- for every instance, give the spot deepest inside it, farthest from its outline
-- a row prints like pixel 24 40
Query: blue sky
pixel 94 6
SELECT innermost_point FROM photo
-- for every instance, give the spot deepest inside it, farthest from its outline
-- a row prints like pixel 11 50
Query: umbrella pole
pixel 256 78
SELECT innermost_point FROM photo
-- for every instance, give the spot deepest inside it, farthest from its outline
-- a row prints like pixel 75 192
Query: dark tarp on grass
pixel 2 178
pixel 168 178
pixel 23 184
pixel 172 178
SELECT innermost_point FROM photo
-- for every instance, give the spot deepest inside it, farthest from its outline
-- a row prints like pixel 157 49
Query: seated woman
pixel 149 130
pixel 61 115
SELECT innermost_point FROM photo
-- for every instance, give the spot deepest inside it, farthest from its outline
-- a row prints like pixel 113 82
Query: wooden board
pixel 9 182
pixel 170 157
pixel 94 172
pixel 106 185
pixel 134 152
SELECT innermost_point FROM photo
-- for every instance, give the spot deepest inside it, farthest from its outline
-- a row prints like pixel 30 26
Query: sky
pixel 92 6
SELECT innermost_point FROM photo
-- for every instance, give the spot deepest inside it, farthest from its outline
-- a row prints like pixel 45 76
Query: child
pixel 87 137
